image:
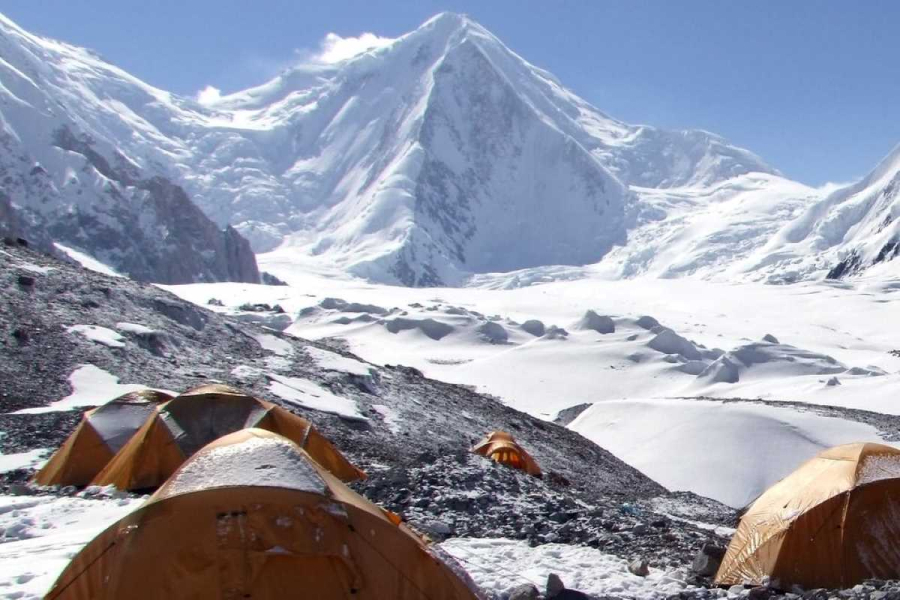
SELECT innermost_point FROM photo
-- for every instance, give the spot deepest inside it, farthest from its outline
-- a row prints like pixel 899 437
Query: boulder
pixel 707 560
pixel 669 342
pixel 526 591
pixel 646 322
pixel 534 327
pixel 554 586
pixel 599 323
pixel 639 567
pixel 770 338
pixel 493 333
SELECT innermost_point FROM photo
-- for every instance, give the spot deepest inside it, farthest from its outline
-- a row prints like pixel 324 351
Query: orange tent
pixel 251 515
pixel 832 523
pixel 102 432
pixel 501 447
pixel 199 416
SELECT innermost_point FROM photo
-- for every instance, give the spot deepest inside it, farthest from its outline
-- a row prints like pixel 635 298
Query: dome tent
pixel 251 515
pixel 501 447
pixel 101 433
pixel 831 523
pixel 199 416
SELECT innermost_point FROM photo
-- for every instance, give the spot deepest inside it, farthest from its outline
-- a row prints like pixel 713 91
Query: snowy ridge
pixel 435 156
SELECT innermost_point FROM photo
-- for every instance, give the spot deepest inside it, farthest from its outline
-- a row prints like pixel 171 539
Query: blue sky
pixel 811 86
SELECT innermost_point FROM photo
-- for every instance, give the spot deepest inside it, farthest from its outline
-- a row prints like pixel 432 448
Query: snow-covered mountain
pixel 436 156
pixel 79 167
pixel 441 154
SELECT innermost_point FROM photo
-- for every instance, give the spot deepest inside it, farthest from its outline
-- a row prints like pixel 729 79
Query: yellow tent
pixel 501 447
pixel 251 515
pixel 832 523
pixel 199 416
pixel 102 432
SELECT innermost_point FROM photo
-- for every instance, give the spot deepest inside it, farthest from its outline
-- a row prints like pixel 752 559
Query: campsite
pixel 376 300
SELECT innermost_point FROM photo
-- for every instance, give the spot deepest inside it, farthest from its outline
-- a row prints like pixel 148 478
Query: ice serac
pixel 78 165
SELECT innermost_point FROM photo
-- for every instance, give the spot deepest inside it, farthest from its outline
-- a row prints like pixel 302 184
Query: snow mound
pixel 599 323
pixel 755 444
pixel 770 359
pixel 669 342
pixel 91 386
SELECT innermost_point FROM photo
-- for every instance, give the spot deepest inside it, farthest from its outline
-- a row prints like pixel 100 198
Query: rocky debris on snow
pixel 431 328
pixel 351 307
pixel 267 278
pixel 196 346
pixel 215 302
pixel 534 327
pixel 594 322
pixel 260 307
pixel 832 382
pixel 472 496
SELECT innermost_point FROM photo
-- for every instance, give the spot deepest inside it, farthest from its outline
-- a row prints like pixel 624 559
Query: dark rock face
pixel 138 222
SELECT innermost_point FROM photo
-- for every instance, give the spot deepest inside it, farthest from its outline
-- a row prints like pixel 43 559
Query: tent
pixel 199 416
pixel 251 515
pixel 101 433
pixel 831 523
pixel 501 447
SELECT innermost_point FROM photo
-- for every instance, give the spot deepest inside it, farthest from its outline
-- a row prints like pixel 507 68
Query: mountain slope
pixel 64 114
pixel 439 155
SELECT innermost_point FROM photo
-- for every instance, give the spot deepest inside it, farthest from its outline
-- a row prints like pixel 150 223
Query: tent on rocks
pixel 501 447
pixel 100 435
pixel 832 523
pixel 251 515
pixel 199 416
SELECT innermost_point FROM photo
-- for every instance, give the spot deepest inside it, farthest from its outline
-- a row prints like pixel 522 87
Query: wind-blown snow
pixel 87 261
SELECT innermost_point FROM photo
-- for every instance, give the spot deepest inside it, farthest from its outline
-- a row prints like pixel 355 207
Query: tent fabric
pixel 199 416
pixel 251 515
pixel 101 433
pixel 831 523
pixel 501 447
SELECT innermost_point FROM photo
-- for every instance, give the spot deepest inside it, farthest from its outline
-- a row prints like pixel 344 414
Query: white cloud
pixel 335 48
pixel 209 95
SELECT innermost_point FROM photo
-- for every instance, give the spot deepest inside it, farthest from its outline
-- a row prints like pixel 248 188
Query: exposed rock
pixel 599 323
pixel 639 567
pixel 555 333
pixel 833 381
pixel 770 338
pixel 269 279
pixel 493 333
pixel 526 591
pixel 708 559
pixel 534 327
pixel 554 586
pixel 647 322
pixel 723 370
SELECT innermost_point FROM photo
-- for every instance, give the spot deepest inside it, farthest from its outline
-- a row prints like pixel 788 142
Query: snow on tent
pixel 501 447
pixel 199 416
pixel 102 432
pixel 832 523
pixel 251 515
